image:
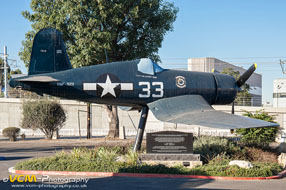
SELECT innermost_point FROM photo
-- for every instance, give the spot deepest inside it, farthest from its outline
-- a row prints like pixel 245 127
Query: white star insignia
pixel 108 87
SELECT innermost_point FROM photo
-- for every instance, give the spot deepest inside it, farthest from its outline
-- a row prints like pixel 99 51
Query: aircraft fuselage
pixel 120 83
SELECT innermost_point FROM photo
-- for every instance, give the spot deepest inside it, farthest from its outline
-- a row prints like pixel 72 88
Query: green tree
pixel 125 29
pixel 243 97
pixel 13 72
pixel 17 71
pixel 261 136
pixel 11 132
pixel 45 115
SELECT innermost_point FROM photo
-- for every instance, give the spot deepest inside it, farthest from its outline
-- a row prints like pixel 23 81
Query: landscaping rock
pixel 241 164
pixel 120 159
pixel 282 159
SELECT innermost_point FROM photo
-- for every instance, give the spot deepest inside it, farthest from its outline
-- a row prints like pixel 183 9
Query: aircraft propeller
pixel 242 79
pixel 245 76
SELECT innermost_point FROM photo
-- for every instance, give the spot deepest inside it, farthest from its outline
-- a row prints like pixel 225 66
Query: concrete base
pixel 122 134
pixel 188 164
pixel 282 147
pixel 169 160
pixel 56 135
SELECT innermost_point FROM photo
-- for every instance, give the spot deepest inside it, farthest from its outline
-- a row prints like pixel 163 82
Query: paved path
pixel 21 150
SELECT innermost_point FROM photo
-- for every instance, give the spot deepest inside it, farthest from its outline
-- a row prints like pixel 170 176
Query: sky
pixel 237 31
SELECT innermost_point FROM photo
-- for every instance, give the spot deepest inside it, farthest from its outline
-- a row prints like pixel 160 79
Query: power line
pixel 237 63
pixel 202 64
pixel 262 57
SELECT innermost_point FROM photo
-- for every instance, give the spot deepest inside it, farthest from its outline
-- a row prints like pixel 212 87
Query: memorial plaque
pixel 169 142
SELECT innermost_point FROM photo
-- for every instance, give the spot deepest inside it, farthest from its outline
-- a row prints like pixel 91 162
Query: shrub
pixel 45 115
pixel 258 170
pixel 103 159
pixel 253 154
pixel 259 137
pixel 11 132
pixel 209 147
pixel 79 159
pixel 131 157
pixel 220 159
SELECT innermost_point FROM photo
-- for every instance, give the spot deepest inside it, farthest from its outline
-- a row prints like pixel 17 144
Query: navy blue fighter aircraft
pixel 172 95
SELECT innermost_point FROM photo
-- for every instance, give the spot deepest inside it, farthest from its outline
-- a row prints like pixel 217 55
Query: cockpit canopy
pixel 147 66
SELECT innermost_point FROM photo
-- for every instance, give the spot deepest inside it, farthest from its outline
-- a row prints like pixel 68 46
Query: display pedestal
pixel 187 160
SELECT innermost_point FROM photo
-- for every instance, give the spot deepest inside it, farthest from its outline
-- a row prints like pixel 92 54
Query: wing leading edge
pixel 194 110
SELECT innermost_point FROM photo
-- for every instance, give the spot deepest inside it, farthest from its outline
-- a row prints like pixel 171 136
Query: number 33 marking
pixel 146 89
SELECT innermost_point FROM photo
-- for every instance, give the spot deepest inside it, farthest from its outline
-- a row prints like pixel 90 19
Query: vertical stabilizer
pixel 48 53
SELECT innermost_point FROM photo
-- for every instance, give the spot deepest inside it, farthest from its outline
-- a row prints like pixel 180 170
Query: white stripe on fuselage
pixel 92 86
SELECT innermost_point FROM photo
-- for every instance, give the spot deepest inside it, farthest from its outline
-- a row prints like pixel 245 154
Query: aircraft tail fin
pixel 48 53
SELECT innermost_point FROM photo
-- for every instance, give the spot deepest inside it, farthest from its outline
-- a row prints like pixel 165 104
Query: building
pixel 209 64
pixel 279 93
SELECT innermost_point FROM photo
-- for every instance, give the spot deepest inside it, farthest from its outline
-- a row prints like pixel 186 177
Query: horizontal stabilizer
pixel 37 79
pixel 18 76
pixel 194 110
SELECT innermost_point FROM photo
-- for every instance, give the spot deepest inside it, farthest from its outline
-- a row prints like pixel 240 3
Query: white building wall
pixel 11 113
pixel 279 93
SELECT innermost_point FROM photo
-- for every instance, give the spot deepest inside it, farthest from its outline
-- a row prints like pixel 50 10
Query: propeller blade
pixel 245 76
pixel 215 71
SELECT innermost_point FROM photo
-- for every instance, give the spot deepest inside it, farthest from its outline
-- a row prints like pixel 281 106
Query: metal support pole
pixel 88 121
pixel 232 112
pixel 232 108
pixel 5 72
pixel 141 128
pixel 78 120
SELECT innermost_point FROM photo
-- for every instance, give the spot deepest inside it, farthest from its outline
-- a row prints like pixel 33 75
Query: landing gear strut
pixel 141 128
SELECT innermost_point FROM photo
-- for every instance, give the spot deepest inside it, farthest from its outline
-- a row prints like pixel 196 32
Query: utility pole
pixel 5 72
pixel 282 64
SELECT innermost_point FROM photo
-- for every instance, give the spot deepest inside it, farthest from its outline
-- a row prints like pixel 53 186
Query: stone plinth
pixel 188 160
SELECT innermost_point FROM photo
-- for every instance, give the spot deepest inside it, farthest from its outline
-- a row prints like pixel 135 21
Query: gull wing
pixel 194 110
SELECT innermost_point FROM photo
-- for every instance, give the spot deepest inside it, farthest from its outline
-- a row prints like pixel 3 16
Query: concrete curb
pixel 111 174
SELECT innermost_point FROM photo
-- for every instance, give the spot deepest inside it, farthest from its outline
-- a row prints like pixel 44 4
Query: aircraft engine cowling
pixel 226 89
